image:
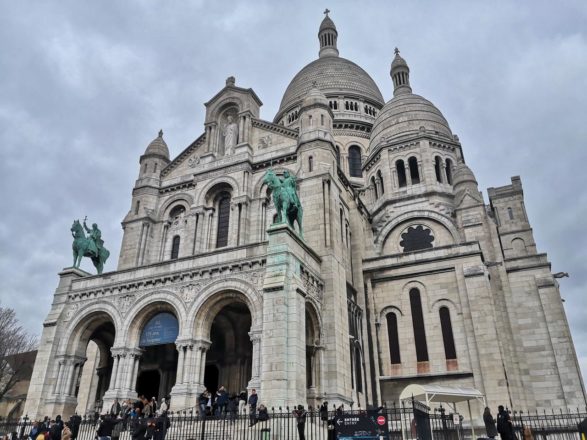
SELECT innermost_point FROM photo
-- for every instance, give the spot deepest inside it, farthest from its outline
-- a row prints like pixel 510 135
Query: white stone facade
pixel 333 316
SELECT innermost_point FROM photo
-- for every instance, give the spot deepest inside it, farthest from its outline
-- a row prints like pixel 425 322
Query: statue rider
pixel 289 183
pixel 95 238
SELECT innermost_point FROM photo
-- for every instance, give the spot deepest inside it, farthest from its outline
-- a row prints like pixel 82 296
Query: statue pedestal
pixel 283 346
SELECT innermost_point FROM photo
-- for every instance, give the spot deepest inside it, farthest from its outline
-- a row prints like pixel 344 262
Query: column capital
pixel 198 209
pixel 202 344
pixel 255 336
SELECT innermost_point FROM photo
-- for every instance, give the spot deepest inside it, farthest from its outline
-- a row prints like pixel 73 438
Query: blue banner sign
pixel 162 328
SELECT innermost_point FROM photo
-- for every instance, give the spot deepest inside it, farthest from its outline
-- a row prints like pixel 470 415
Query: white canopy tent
pixel 443 394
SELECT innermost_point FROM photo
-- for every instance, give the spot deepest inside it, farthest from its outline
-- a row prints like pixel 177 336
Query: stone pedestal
pixel 283 348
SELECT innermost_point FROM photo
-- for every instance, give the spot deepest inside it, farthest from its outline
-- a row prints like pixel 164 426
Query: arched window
pixel 223 220
pixel 175 247
pixel 322 120
pixel 155 167
pixel 414 173
pixel 137 207
pixel 393 338
pixel 337 155
pixel 447 337
pixel 449 171
pixel 355 161
pixel 358 375
pixel 374 185
pixel 438 168
pixel 401 173
pixel 310 164
pixel 418 323
pixel 176 211
pixel 380 178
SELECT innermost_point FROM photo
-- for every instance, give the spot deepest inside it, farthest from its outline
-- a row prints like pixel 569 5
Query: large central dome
pixel 331 75
pixel 334 76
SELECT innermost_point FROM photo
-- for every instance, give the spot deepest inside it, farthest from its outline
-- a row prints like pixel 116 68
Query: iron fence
pixel 411 421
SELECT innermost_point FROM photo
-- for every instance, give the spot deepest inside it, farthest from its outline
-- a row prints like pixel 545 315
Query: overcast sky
pixel 85 86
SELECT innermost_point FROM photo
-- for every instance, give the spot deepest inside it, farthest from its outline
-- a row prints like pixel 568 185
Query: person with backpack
pixel 504 424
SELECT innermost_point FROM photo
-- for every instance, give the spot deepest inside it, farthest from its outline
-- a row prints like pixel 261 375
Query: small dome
pixel 315 97
pixel 158 147
pixel 398 61
pixel 327 23
pixel 463 174
pixel 407 114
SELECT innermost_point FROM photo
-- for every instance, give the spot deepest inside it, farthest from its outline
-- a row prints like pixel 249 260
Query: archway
pixel 229 358
pixel 313 355
pixel 157 367
pixel 85 372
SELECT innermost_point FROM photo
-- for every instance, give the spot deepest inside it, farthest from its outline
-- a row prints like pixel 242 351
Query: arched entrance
pixel 84 371
pixel 158 363
pixel 313 356
pixel 229 358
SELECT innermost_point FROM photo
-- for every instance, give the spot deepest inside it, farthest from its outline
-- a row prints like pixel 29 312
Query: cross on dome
pixel 161 133
pixel 326 11
pixel 396 51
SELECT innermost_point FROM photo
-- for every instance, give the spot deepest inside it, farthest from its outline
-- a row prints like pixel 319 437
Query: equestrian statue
pixel 285 198
pixel 91 246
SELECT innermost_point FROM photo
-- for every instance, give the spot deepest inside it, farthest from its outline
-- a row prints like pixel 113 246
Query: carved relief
pixel 314 287
pixel 124 303
pixel 193 161
pixel 265 142
pixel 71 310
pixel 189 292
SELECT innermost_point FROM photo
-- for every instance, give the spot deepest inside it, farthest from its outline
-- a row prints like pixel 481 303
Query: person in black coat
pixel 253 398
pixel 138 428
pixel 504 424
pixel 221 401
pixel 489 423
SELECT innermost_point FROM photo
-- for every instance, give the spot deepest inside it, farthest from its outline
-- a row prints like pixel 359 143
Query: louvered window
pixel 175 247
pixel 447 337
pixel 355 161
pixel 393 338
pixel 223 221
pixel 418 323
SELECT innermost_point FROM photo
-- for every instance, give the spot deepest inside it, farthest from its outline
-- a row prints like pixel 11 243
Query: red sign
pixel 381 420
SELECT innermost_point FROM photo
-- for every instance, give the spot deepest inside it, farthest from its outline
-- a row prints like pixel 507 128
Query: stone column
pixel 180 362
pixel 114 369
pixel 255 336
pixel 233 224
pixel 207 230
pixel 408 174
pixel 60 371
pixel 68 376
pixel 203 346
pixel 135 371
pixel 163 240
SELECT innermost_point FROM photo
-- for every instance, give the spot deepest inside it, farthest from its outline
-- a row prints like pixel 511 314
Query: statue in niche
pixel 230 134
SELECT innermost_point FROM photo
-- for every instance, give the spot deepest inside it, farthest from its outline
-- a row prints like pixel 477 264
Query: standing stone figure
pixel 230 135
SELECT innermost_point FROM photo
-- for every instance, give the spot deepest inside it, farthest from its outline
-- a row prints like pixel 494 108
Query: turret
pixel 327 36
pixel 155 158
pixel 400 74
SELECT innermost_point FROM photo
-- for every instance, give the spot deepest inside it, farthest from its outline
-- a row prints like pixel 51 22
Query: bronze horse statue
pixel 91 246
pixel 285 199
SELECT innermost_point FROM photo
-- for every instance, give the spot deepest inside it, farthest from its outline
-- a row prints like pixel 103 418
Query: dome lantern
pixel 400 74
pixel 327 36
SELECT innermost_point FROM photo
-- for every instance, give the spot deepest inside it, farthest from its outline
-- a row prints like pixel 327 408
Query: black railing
pixel 412 421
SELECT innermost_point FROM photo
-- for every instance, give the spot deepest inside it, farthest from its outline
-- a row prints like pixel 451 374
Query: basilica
pixel 399 272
